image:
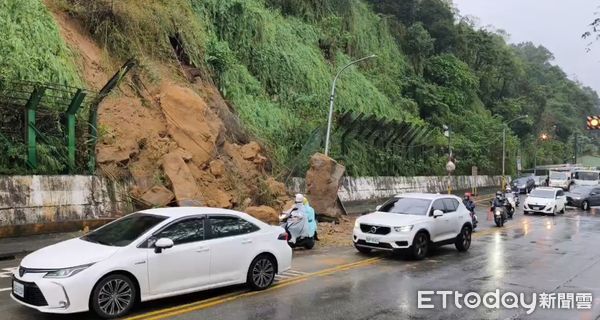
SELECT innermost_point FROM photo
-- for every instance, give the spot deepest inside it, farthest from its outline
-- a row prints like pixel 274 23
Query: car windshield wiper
pixel 87 238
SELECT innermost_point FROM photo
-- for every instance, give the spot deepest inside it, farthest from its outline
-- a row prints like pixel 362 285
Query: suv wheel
pixel 113 296
pixel 420 246
pixel 463 240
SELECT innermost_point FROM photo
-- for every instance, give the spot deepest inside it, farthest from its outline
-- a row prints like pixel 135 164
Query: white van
pixel 560 179
pixel 586 177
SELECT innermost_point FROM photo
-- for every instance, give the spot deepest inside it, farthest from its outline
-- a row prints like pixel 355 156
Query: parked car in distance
pixel 586 177
pixel 546 200
pixel 523 184
pixel 414 222
pixel 584 197
pixel 149 255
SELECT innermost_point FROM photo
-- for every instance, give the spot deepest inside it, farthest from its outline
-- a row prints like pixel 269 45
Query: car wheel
pixel 261 273
pixel 463 240
pixel 585 206
pixel 420 246
pixel 562 211
pixel 113 296
pixel 309 243
pixel 363 250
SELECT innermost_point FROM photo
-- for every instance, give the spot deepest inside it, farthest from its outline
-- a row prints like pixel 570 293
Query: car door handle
pixel 202 249
pixel 246 241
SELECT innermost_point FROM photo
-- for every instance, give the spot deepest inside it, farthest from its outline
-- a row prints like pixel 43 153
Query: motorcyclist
pixel 468 202
pixel 499 200
pixel 312 219
pixel 297 224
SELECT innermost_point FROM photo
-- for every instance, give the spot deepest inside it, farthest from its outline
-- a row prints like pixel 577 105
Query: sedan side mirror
pixel 163 243
pixel 377 208
pixel 437 213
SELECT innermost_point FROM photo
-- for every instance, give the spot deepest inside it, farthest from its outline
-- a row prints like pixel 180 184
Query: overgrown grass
pixel 31 47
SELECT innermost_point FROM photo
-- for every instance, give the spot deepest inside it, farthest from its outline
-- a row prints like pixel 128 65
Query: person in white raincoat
pixel 297 223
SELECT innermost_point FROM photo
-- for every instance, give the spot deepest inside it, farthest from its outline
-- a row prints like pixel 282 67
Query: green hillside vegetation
pixel 31 47
pixel 274 60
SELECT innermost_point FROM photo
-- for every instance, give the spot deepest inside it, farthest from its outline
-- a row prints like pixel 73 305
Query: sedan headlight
pixel 403 229
pixel 66 272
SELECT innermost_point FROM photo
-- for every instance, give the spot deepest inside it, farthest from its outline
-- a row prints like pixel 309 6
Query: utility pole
pixel 332 98
pixel 576 147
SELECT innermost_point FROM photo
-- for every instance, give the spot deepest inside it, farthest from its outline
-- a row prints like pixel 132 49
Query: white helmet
pixel 299 198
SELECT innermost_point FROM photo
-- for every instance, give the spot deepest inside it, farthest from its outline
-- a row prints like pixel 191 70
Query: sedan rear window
pixel 125 230
pixel 412 206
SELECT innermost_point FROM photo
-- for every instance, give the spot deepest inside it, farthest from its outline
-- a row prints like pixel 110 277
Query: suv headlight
pixel 66 272
pixel 403 229
pixel 356 224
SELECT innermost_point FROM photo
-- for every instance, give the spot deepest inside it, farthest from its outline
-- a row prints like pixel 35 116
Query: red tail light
pixel 283 236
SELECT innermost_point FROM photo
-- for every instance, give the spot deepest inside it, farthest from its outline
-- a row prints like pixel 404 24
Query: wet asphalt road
pixel 531 254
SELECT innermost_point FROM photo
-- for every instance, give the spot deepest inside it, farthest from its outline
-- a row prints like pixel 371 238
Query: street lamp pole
pixel 504 147
pixel 332 98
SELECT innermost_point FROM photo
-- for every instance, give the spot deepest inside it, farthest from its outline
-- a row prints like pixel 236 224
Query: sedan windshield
pixel 125 230
pixel 581 190
pixel 546 194
pixel 412 206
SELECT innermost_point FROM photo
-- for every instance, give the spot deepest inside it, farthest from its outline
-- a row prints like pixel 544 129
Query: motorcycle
pixel 510 205
pixel 474 220
pixel 306 242
pixel 499 216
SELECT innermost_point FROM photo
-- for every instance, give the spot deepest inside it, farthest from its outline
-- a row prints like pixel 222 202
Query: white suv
pixel 414 221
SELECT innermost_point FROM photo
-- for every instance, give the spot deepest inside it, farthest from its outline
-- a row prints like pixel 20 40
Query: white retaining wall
pixel 41 199
pixel 365 188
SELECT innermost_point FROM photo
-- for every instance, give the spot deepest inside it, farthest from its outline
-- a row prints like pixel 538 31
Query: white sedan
pixel 149 255
pixel 546 200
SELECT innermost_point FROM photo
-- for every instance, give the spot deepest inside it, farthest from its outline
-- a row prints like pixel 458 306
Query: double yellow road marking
pixel 199 305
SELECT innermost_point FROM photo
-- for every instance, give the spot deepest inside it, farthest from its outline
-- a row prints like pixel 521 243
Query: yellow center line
pixel 203 304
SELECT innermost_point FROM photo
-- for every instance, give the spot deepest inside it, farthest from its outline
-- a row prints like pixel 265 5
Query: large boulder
pixel 323 180
pixel 158 196
pixel 181 178
pixel 264 213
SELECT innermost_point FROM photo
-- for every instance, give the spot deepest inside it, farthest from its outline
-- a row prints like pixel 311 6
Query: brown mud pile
pixel 179 142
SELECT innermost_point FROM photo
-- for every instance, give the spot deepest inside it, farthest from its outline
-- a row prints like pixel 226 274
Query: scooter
pixel 306 242
pixel 474 220
pixel 499 216
pixel 510 205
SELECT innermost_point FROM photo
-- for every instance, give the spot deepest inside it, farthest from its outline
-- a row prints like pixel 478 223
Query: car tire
pixel 420 246
pixel 563 210
pixel 309 243
pixel 261 272
pixel 108 307
pixel 463 240
pixel 585 206
pixel 363 250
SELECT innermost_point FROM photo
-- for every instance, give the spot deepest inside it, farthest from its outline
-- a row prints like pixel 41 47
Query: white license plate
pixel 372 240
pixel 18 289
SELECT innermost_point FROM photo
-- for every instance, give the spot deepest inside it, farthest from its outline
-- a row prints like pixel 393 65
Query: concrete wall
pixel 47 199
pixel 365 188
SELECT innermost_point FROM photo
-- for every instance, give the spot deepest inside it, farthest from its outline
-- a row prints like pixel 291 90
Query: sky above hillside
pixel 555 24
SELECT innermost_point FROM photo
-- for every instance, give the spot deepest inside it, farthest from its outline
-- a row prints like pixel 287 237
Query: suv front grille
pixel 382 245
pixel 33 295
pixel 367 228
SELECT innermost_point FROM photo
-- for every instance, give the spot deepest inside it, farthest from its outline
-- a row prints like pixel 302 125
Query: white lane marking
pixel 5 289
pixel 8 272
pixel 289 274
